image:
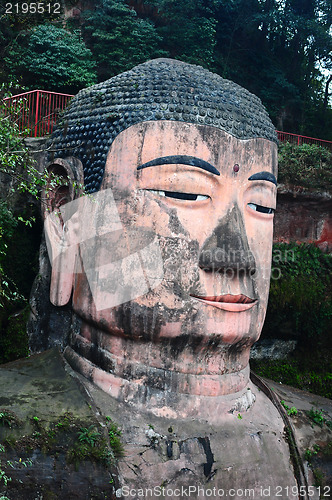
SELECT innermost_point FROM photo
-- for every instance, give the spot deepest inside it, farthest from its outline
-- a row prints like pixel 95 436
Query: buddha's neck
pixel 151 374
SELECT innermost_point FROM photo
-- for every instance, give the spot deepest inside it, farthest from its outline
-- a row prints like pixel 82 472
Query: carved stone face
pixel 206 200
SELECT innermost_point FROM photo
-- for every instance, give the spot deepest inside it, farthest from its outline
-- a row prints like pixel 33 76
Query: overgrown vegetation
pixel 114 434
pixel 119 39
pixel 318 418
pixel 67 439
pixel 280 51
pixel 89 444
pixel 306 165
pixel 66 435
pixel 317 456
pixel 302 371
pixel 54 58
pixel 291 411
pixel 300 301
pixel 19 234
pixel 300 308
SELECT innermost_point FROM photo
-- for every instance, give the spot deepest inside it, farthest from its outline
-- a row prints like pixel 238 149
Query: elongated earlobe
pixel 64 185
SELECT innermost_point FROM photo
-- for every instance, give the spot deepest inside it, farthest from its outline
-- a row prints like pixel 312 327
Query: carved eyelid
pixel 178 195
pixel 261 208
pixel 261 194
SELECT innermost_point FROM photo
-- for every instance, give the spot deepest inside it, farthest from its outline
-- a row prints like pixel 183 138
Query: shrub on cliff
pixel 300 307
pixel 300 301
pixel 306 165
pixel 18 240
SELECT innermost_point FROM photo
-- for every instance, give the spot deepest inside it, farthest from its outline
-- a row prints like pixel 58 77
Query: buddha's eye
pixel 180 196
pixel 261 208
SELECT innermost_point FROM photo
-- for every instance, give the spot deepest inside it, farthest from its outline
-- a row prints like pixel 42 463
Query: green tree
pixel 51 58
pixel 118 38
pixel 187 29
pixel 298 37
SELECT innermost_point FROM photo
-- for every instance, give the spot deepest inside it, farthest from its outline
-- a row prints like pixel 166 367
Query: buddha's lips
pixel 231 299
pixel 228 302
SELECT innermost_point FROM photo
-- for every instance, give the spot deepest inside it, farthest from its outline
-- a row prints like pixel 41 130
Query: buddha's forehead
pixel 161 89
pixel 158 143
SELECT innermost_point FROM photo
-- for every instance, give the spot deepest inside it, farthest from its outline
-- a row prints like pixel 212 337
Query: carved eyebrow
pixel 192 161
pixel 263 176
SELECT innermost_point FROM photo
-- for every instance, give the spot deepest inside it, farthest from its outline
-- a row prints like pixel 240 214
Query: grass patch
pixel 297 373
pixel 114 434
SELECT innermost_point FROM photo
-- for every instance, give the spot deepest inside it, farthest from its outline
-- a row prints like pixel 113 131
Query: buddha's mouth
pixel 228 302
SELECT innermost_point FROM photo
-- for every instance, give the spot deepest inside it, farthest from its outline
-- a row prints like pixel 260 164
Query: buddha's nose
pixel 227 248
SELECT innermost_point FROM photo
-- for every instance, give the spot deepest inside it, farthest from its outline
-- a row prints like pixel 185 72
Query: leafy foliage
pixel 90 445
pixel 51 58
pixel 118 38
pixel 8 223
pixel 88 435
pixel 291 411
pixel 188 30
pixel 18 247
pixel 114 434
pixel 18 170
pixel 306 165
pixel 300 307
pixel 300 301
pixel 277 50
pixel 309 375
pixel 317 417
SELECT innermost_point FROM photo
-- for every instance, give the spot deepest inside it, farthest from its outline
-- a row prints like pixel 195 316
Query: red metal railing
pixel 37 110
pixel 302 139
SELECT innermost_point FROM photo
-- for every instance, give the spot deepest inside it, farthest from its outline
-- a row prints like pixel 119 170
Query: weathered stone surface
pixel 37 147
pixel 171 453
pixel 272 349
pixel 303 217
pixel 310 436
pixel 48 326
pixel 49 406
pixel 174 354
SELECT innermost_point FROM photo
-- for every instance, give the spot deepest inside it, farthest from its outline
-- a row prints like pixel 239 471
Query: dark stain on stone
pixel 205 442
pixel 48 386
pixel 169 450
pixel 175 224
pixel 179 344
pixel 232 252
pixel 94 354
pixel 237 349
pixel 5 401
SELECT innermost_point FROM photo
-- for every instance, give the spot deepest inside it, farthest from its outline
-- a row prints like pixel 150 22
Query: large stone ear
pixel 64 184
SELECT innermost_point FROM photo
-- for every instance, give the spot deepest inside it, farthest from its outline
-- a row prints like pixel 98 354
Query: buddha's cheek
pixel 150 307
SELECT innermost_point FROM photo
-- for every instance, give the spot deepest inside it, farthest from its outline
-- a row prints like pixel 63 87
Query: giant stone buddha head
pixel 165 255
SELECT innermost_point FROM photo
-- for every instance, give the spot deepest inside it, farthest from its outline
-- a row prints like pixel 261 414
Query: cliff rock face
pixel 303 216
